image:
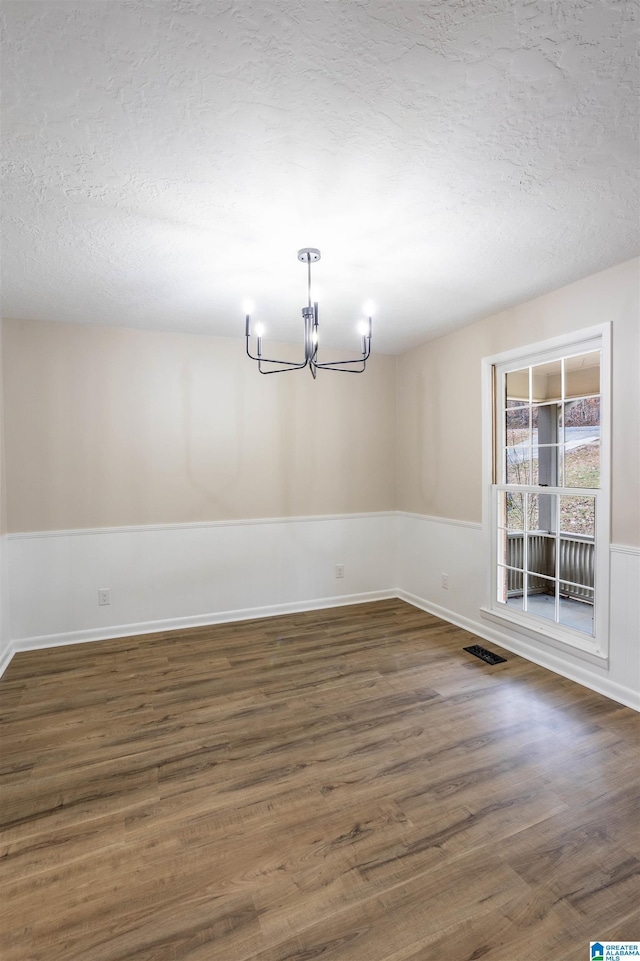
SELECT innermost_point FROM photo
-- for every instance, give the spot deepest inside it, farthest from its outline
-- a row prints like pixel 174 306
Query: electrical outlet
pixel 339 570
pixel 104 596
pixel 444 581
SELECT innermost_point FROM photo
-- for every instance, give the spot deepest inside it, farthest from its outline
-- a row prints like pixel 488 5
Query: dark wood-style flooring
pixel 342 785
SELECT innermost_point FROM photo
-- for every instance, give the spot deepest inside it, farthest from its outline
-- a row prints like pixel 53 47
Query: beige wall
pixel 439 398
pixel 110 426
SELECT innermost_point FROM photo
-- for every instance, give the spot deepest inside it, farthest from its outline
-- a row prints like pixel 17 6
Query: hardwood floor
pixel 343 785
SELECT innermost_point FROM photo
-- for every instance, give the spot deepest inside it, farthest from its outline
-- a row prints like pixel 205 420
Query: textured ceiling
pixel 165 160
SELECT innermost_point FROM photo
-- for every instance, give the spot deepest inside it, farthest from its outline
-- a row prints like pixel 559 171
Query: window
pixel 548 489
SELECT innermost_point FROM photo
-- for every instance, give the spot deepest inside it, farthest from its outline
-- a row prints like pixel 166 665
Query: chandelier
pixel 268 365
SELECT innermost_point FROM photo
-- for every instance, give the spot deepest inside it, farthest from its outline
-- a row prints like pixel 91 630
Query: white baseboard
pixel 604 686
pixel 170 577
pixel 610 689
pixel 180 623
pixel 5 659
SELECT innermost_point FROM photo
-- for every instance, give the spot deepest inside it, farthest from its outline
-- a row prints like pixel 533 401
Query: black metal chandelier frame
pixel 357 365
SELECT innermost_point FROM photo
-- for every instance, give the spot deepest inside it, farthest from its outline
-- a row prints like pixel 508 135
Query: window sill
pixel 562 640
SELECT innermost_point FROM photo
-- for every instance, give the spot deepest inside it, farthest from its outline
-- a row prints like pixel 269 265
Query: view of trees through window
pixel 564 452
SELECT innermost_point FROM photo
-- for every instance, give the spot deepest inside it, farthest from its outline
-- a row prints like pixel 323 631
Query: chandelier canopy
pixel 268 365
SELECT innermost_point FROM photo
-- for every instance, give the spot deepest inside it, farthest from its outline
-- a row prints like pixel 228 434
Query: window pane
pixel 533 512
pixel 547 434
pixel 581 463
pixel 517 425
pixel 513 551
pixel 582 443
pixel 583 415
pixel 547 381
pixel 546 417
pixel 576 612
pixel 541 598
pixel 517 386
pixel 510 587
pixel 541 554
pixel 545 465
pixel 517 464
pixel 534 466
pixel 582 375
pixel 534 419
pixel 514 582
pixel 516 601
pixel 547 512
pixel 502 546
pixel 501 514
pixel 578 515
pixel 513 511
pixel 577 561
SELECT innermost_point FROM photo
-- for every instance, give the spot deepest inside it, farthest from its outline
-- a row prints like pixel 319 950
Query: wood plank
pixel 345 784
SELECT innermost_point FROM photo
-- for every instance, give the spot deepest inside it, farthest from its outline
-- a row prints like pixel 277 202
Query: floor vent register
pixel 485 655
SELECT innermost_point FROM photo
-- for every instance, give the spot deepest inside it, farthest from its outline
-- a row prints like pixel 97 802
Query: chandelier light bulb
pixel 259 328
pixel 369 308
pixel 363 328
pixel 248 306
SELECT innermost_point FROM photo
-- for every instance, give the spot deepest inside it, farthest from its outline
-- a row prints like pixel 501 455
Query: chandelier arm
pixel 342 365
pixel 342 370
pixel 339 363
pixel 290 364
pixel 249 354
pixel 285 365
pixel 280 370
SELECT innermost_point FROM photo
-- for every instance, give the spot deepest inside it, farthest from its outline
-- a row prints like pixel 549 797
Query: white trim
pixel 473 525
pixel 145 567
pixel 6 649
pixel 545 659
pixel 5 660
pixel 544 632
pixel 616 692
pixel 598 337
pixel 624 549
pixel 180 623
pixel 578 339
pixel 196 525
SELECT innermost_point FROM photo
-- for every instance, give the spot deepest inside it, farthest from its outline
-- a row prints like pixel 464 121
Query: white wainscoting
pixel 6 650
pixel 172 576
pixel 431 546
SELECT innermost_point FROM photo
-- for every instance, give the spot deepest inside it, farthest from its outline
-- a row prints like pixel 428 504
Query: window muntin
pixel 549 420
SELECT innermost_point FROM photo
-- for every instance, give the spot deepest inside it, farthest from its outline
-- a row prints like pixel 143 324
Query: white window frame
pixel 593 648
